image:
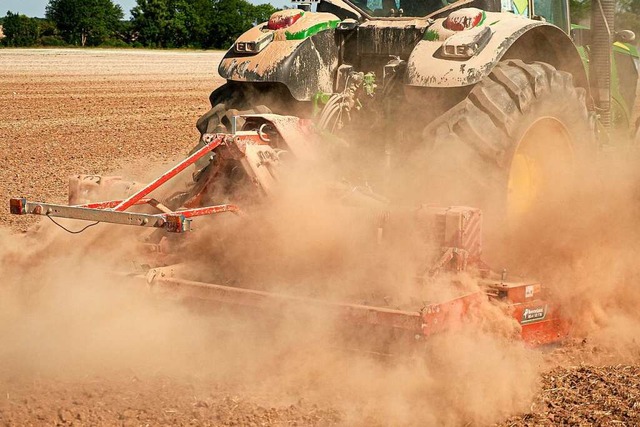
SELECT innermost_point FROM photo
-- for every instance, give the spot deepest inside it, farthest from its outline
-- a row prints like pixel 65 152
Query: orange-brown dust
pixel 584 246
pixel 65 312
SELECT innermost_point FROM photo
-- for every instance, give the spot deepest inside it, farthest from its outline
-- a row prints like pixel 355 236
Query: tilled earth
pixel 90 111
pixel 147 402
pixel 73 111
pixel 586 395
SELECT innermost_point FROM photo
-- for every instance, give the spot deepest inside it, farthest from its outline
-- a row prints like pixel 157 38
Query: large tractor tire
pixel 227 101
pixel 518 136
pixel 237 98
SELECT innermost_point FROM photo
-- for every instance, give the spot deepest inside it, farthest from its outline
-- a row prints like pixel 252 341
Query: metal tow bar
pixel 114 211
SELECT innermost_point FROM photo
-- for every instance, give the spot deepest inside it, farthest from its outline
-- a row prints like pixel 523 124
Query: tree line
pixel 202 24
pixel 182 23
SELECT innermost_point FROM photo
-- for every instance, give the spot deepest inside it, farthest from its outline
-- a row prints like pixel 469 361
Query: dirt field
pixel 72 111
pixel 91 111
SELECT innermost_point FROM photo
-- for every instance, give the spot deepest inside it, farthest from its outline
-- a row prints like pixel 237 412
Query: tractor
pixel 480 103
pixel 489 102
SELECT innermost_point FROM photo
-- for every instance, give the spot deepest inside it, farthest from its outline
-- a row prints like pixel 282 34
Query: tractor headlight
pixel 466 44
pixel 254 46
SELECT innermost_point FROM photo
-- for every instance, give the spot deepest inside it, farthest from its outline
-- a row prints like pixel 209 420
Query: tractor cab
pixel 399 8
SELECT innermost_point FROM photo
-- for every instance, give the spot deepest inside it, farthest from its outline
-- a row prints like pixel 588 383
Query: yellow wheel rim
pixel 543 160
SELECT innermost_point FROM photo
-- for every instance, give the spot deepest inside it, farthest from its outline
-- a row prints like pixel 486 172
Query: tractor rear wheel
pixel 227 101
pixel 237 98
pixel 513 141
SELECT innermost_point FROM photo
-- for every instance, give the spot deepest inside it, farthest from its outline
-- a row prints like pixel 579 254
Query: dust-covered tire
pixel 227 101
pixel 471 148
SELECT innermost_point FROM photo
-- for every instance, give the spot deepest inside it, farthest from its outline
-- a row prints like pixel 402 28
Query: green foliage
pixel 170 23
pixel 52 41
pixel 85 22
pixel 262 12
pixel 230 19
pixel 195 23
pixel 580 10
pixel 47 28
pixel 114 43
pixel 150 18
pixel 20 30
pixel 125 33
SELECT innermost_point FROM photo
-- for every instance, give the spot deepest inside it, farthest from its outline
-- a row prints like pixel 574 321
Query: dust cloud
pixel 584 245
pixel 65 313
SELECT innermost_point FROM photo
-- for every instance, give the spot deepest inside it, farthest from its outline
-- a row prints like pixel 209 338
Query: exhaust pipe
pixel 602 31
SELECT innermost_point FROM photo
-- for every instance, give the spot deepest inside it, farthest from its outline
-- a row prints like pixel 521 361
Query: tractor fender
pixel 511 37
pixel 305 65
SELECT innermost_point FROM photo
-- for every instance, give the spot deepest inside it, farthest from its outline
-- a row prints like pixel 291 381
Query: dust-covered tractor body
pixel 413 48
pixel 470 87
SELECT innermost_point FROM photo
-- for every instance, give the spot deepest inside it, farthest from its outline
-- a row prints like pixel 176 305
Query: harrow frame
pixel 458 230
pixel 115 211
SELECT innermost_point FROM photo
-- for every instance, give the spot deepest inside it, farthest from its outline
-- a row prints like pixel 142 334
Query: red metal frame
pixel 190 213
pixel 458 228
pixel 430 320
pixel 115 211
pixel 217 140
pixel 110 204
